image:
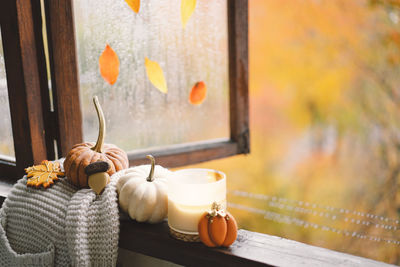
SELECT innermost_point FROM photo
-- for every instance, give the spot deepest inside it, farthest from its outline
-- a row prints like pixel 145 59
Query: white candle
pixel 191 192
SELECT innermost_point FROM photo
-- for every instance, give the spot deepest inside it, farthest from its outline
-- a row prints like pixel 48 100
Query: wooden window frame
pixel 65 84
pixel 37 126
pixel 20 23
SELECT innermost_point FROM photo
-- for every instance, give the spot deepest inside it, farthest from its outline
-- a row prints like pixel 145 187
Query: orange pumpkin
pixel 81 155
pixel 217 227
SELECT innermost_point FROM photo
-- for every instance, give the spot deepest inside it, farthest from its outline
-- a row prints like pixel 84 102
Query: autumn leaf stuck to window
pixel 44 174
pixel 156 75
pixel 134 5
pixel 198 93
pixel 187 9
pixel 109 65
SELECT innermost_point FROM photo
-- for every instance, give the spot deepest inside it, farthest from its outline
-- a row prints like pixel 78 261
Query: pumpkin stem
pixel 151 174
pixel 216 206
pixel 216 209
pixel 102 126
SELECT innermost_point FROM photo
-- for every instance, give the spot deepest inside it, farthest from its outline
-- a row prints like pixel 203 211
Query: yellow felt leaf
pixel 134 5
pixel 109 65
pixel 187 9
pixel 44 174
pixel 156 75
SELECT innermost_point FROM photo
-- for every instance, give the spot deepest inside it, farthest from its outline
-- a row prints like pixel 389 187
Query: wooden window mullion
pixel 64 73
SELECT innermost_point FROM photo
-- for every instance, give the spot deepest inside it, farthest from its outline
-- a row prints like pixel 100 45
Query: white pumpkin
pixel 142 192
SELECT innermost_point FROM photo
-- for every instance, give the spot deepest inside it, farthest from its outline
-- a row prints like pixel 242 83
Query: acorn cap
pixel 98 166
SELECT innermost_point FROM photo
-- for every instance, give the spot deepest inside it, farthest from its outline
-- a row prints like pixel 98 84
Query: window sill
pixel 250 248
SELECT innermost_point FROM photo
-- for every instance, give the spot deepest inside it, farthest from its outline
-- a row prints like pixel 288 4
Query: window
pixel 63 115
pixel 139 116
pixel 128 102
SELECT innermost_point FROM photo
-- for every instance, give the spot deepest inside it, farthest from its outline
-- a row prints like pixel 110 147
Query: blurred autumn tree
pixel 325 116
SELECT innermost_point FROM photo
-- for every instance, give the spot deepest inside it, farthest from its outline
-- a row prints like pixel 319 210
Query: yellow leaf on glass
pixel 44 174
pixel 134 5
pixel 109 65
pixel 187 9
pixel 198 93
pixel 156 75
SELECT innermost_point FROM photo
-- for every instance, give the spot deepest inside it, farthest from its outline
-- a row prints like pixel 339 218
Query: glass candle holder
pixel 191 192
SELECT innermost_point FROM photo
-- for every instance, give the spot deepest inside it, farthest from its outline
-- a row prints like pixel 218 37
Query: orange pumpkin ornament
pixel 217 227
pixel 81 155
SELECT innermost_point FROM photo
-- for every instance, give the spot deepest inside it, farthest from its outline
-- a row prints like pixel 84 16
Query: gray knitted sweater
pixel 59 226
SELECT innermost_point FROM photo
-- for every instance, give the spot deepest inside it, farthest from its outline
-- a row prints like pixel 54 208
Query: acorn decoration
pixel 97 174
pixel 217 227
pixel 81 155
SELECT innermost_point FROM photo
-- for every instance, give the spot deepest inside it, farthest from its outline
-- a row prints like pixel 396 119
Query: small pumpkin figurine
pixel 217 227
pixel 143 192
pixel 81 155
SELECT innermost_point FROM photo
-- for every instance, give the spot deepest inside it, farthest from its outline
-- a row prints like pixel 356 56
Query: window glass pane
pixel 325 126
pixel 6 138
pixel 137 114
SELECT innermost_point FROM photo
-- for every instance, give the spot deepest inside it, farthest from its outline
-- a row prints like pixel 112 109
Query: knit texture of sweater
pixel 59 226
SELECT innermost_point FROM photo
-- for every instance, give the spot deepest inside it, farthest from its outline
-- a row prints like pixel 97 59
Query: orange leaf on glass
pixel 109 65
pixel 134 5
pixel 198 93
pixel 156 75
pixel 187 9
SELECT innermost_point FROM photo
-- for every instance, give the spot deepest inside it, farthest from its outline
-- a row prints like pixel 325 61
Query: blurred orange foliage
pixel 324 123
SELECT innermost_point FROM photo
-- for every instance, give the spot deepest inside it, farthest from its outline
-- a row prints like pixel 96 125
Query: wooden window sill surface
pixel 250 248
